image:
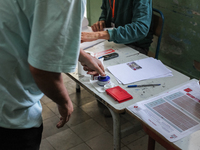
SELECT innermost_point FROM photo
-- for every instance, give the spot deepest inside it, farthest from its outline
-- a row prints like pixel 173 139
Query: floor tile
pixel 45 145
pixel 66 78
pixel 81 98
pixel 130 118
pixel 159 147
pixel 45 99
pixel 125 148
pixel 140 144
pixel 69 84
pixel 50 127
pixel 53 107
pixel 88 130
pixel 105 122
pixel 96 112
pixel 101 142
pixel 71 87
pixel 133 137
pixel 46 112
pixel 129 128
pixel 126 127
pixel 42 102
pixel 92 109
pixel 64 140
pixel 78 116
pixel 82 146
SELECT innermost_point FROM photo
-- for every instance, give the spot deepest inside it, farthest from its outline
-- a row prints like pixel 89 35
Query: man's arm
pixel 138 28
pixel 51 84
pixel 91 36
pixel 98 26
pixel 131 32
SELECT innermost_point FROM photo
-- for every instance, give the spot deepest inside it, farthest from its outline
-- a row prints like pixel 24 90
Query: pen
pixel 132 86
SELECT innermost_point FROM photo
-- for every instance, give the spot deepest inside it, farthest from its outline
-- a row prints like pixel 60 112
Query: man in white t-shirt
pixel 39 39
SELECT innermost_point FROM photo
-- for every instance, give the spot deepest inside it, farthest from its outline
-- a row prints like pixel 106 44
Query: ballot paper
pixel 174 114
pixel 147 68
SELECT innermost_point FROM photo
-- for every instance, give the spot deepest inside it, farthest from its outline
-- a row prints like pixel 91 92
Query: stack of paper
pixel 138 70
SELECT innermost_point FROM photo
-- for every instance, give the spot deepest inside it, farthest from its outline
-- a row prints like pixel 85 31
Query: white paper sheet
pixel 175 114
pixel 150 68
pixel 87 45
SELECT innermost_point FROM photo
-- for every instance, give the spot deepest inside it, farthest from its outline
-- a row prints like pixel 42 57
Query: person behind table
pixel 38 41
pixel 131 21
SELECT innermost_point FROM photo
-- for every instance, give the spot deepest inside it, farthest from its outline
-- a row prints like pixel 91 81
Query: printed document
pixel 174 114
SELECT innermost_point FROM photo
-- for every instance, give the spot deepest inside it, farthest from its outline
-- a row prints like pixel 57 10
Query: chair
pixel 158 28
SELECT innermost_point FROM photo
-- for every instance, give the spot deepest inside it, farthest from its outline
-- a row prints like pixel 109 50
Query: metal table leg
pixel 78 88
pixel 116 129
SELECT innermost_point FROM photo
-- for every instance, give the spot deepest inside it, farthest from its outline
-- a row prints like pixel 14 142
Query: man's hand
pixel 98 26
pixel 65 112
pixel 91 64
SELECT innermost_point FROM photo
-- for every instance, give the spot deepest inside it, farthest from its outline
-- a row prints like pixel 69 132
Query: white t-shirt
pixel 44 34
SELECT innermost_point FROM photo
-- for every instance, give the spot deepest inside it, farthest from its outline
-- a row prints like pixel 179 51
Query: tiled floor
pixel 88 129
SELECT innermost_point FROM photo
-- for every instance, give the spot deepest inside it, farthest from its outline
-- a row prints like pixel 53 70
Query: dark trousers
pixel 20 139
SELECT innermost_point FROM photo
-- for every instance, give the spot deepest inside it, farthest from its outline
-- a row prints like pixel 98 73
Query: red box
pixel 119 94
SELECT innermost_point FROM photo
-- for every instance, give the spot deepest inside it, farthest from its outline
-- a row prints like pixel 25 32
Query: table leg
pixel 151 143
pixel 116 130
pixel 78 88
pixel 153 137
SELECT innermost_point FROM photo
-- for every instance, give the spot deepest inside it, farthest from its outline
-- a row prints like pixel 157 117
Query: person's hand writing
pixel 98 26
pixel 65 112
